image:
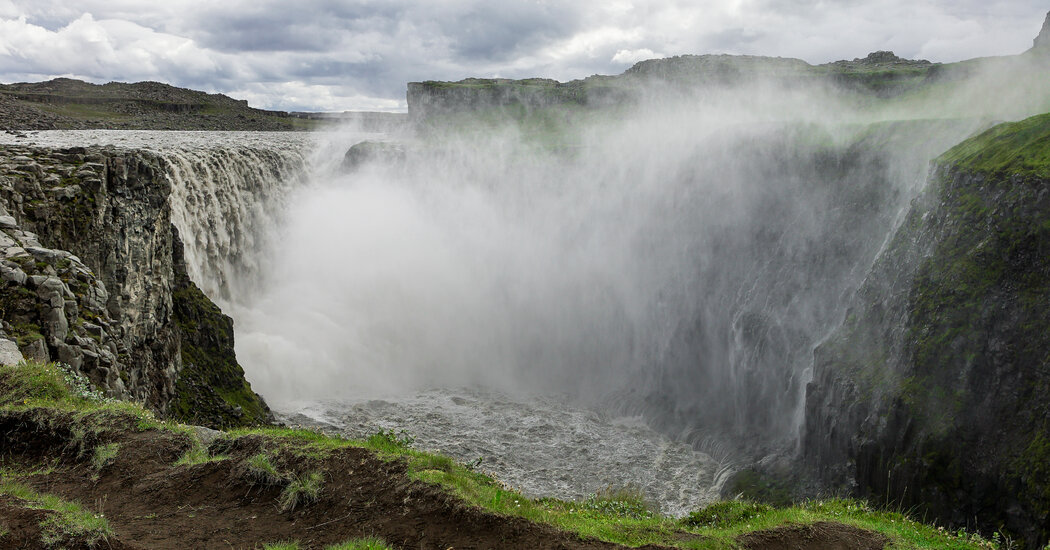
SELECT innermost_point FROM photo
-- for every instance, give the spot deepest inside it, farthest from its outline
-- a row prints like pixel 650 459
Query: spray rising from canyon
pixel 680 262
pixel 677 258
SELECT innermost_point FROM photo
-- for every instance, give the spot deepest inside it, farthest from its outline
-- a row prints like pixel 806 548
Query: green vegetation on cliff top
pixel 1015 148
pixel 620 516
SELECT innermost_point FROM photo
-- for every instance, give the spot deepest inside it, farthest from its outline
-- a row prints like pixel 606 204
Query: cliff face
pixel 65 103
pixel 94 277
pixel 933 393
pixel 1042 42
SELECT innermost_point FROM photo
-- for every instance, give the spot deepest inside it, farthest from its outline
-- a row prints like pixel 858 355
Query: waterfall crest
pixel 226 204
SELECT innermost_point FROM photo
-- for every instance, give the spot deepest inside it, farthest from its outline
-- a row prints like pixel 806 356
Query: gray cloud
pixel 335 55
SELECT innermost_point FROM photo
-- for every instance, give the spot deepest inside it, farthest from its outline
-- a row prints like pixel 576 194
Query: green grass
pixel 262 470
pixel 289 545
pixel 199 455
pixel 304 489
pixel 368 543
pixel 104 455
pixel 619 515
pixel 1021 148
pixel 84 111
pixel 68 522
pixel 622 516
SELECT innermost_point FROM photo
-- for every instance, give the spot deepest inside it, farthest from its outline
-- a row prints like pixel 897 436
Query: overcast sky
pixel 338 55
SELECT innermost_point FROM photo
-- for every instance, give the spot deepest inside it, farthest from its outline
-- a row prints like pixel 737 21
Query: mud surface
pixel 819 536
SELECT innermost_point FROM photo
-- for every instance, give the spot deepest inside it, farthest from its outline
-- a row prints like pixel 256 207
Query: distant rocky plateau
pixel 68 104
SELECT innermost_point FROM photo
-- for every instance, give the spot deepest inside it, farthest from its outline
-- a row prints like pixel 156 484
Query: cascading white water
pixel 227 203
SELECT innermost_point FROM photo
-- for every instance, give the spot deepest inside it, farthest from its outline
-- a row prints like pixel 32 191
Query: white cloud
pixel 347 54
pixel 100 49
pixel 630 57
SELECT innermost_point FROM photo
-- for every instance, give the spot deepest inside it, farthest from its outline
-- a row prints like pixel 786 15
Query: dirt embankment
pixel 152 504
pixel 222 501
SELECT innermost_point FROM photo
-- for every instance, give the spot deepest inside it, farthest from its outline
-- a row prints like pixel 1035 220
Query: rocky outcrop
pixel 881 73
pixel 1041 43
pixel 93 275
pixel 933 394
pixel 430 100
pixel 65 103
pixel 372 151
pixel 54 307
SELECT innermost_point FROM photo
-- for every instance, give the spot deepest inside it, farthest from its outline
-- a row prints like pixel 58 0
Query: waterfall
pixel 680 265
pixel 226 204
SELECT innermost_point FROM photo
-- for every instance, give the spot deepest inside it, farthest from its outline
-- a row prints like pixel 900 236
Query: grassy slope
pixel 622 517
pixel 1017 148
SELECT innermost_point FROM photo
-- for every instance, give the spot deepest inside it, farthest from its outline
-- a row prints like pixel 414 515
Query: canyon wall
pixel 932 395
pixel 94 273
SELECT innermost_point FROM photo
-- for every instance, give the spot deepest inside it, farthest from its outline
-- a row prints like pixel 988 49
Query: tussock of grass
pixel 300 490
pixel 68 522
pixel 104 455
pixel 288 545
pixel 262 470
pixel 626 502
pixel 726 513
pixel 369 543
pixel 199 455
pixel 298 442
pixel 51 388
pixel 389 441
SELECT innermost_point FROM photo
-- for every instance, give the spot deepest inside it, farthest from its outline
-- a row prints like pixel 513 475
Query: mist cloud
pixel 332 55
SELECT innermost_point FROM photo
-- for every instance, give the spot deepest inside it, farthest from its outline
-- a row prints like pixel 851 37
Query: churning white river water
pixel 539 446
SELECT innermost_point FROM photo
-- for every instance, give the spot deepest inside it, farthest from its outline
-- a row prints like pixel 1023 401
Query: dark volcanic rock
pixel 92 277
pixel 372 151
pixel 935 392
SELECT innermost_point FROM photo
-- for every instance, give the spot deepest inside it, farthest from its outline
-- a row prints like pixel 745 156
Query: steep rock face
pixel 211 388
pixel 933 393
pixel 1042 42
pixel 104 296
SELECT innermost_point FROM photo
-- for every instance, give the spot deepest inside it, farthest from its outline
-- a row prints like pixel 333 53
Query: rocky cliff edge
pixel 93 277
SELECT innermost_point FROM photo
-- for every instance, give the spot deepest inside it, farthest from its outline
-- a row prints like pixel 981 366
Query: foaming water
pixel 538 445
pixel 159 140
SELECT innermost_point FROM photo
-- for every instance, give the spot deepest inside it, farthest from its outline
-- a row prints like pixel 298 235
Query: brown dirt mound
pixel 152 504
pixel 818 536
pixel 21 528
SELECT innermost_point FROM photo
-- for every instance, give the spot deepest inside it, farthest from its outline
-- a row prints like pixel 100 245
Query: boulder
pixel 372 151
pixel 9 352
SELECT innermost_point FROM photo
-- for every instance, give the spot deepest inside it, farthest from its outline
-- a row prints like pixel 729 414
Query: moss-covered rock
pixel 211 388
pixel 93 276
pixel 935 392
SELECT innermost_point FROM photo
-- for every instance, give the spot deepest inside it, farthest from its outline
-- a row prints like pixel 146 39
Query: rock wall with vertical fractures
pixel 94 274
pixel 933 394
